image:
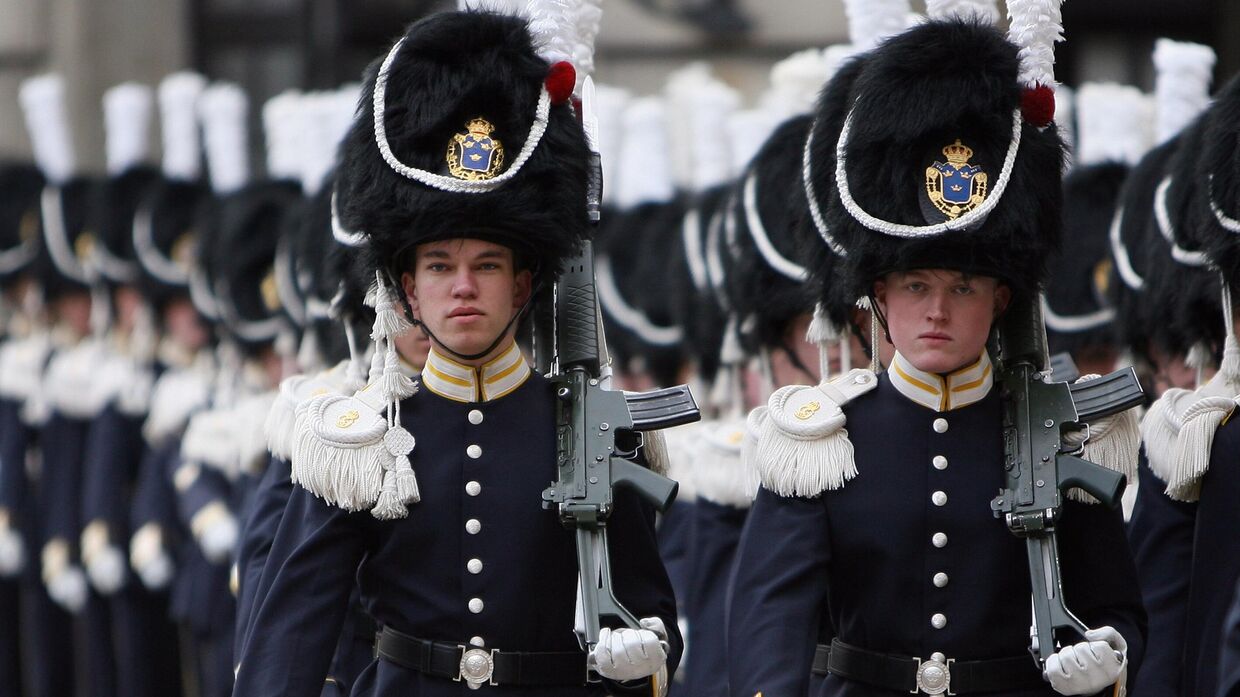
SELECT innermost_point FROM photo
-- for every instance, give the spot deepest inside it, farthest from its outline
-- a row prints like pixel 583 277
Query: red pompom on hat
pixel 1037 105
pixel 561 78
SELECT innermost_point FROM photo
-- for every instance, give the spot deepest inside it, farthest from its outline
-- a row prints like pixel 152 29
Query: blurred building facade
pixel 272 45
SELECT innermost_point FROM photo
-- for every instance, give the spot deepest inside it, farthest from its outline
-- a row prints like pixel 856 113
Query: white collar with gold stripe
pixel 943 392
pixel 462 383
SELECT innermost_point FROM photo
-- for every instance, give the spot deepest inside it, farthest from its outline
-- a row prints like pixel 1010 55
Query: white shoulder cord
pixel 1120 252
pixel 439 181
pixel 1167 230
pixel 753 218
pixel 973 217
pixel 1229 223
pixel 807 181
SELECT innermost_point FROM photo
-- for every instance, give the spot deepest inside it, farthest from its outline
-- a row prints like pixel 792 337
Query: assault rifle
pixel 1038 470
pixel 599 430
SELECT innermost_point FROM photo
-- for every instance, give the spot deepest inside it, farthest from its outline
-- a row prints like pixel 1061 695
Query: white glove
pixel 106 569
pixel 1090 666
pixel 215 528
pixel 12 552
pixel 68 589
pixel 630 654
pixel 148 558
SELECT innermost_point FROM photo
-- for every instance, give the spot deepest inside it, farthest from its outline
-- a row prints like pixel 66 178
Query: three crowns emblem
pixel 475 154
pixel 956 187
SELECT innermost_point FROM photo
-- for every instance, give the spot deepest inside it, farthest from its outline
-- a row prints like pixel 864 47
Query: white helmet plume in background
pixel 610 104
pixel 871 21
pixel 47 121
pixel 701 156
pixel 645 168
pixel 222 110
pixel 1182 84
pixel 178 106
pixel 985 11
pixel 127 111
pixel 796 82
pixel 1114 124
pixel 285 118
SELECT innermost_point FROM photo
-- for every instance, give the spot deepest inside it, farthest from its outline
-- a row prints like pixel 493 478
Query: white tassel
pixel 282 418
pixel 731 352
pixel 749 448
pixel 1201 421
pixel 394 384
pixel 1160 431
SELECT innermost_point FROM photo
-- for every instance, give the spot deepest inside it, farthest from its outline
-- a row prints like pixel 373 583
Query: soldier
pixel 469 202
pixel 945 207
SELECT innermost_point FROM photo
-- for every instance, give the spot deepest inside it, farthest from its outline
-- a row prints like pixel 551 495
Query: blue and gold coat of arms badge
pixel 475 155
pixel 956 187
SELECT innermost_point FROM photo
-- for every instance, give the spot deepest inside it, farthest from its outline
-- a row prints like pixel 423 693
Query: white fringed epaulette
pixel 1178 431
pixel 682 452
pixel 352 451
pixel 73 386
pixel 282 417
pixel 802 447
pixel 211 439
pixel 1112 442
pixel 177 394
pixel 22 362
pixel 251 413
pixel 721 474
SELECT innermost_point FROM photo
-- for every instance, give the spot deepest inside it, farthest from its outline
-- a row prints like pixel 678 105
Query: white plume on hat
pixel 748 129
pixel 1114 124
pixel 1182 84
pixel 565 30
pixel 286 117
pixel 1035 26
pixel 985 11
pixel 700 150
pixel 127 111
pixel 645 168
pixel 871 21
pixel 223 110
pixel 178 105
pixel 796 82
pixel 47 121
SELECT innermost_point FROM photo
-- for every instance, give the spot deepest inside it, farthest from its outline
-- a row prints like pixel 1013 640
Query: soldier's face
pixel 939 319
pixel 466 291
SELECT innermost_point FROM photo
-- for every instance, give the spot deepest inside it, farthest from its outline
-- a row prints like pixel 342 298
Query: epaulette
pixel 1112 442
pixel 802 447
pixel 22 362
pixel 721 475
pixel 211 439
pixel 251 415
pixel 294 390
pixel 1178 430
pixel 681 446
pixel 176 395
pixel 351 451
pixel 72 385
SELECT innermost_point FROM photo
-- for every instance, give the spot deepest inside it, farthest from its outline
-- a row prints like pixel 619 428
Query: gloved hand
pixel 629 654
pixel 1090 666
pixel 12 551
pixel 106 569
pixel 148 558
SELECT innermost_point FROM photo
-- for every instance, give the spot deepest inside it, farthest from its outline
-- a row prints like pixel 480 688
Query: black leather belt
pixel 929 676
pixel 478 666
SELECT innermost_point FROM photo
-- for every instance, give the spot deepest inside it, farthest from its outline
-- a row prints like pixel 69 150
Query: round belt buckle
pixel 933 677
pixel 476 667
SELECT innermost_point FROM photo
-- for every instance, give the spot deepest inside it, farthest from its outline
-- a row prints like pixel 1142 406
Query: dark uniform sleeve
pixel 113 445
pixel 257 537
pixel 295 627
pixel 1161 536
pixel 640 579
pixel 1099 577
pixel 777 596
pixel 154 498
pixel 63 442
pixel 1229 656
pixel 13 441
pixel 719 529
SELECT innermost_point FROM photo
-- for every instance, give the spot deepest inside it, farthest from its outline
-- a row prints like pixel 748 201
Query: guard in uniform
pixel 1184 513
pixel 466 171
pixel 871 557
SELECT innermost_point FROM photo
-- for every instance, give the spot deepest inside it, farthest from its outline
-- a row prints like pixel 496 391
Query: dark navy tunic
pixel 415 573
pixel 902 573
pixel 1212 568
pixel 1161 535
